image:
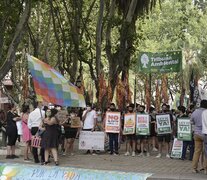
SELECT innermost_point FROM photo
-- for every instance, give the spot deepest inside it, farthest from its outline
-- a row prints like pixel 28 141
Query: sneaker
pixel 133 154
pixel 195 171
pixel 116 154
pixel 167 156
pixel 159 155
pixel 127 153
pixel 88 152
pixel 72 154
pixel 141 154
pixel 9 157
pixel 14 156
pixel 64 154
pixel 148 154
pixel 155 149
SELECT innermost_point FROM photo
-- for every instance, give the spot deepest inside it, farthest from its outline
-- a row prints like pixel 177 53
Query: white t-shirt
pixel 35 118
pixel 89 120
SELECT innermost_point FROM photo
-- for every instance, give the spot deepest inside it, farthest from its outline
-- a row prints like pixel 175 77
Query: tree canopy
pixel 99 41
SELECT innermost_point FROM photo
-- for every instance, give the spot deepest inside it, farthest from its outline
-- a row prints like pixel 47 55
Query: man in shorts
pixel 143 139
pixel 164 138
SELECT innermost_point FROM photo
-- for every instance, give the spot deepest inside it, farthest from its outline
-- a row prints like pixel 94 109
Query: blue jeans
pixel 191 147
pixel 113 142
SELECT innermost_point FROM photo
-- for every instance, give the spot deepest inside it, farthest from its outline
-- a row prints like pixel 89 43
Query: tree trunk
pixel 119 61
pixel 98 44
pixel 10 58
pixel 2 27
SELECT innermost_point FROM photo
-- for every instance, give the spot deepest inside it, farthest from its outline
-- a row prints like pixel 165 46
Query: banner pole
pixel 135 90
pixel 150 89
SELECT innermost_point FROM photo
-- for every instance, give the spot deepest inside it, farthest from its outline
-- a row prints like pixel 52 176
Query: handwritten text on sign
pixel 25 172
pixel 91 140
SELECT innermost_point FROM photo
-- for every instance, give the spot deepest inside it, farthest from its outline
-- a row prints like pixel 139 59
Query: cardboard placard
pixel 112 124
pixel 129 123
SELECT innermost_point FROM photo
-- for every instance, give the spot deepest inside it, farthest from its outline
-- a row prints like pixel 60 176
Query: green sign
pixel 142 124
pixel 160 62
pixel 163 124
pixel 184 129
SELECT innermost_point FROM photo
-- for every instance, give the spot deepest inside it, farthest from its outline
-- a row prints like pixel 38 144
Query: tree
pixel 7 55
pixel 169 29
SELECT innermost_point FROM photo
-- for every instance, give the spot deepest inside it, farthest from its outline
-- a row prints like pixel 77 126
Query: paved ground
pixel 161 168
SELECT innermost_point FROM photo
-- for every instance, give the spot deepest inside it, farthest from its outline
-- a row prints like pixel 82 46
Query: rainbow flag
pixel 50 86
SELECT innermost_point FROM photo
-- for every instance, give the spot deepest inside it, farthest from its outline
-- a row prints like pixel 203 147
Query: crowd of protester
pixel 57 135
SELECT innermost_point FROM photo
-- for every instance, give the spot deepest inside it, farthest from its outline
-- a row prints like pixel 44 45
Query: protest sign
pixel 91 140
pixel 129 123
pixel 142 124
pixel 184 129
pixel 75 122
pixel 112 124
pixel 177 148
pixel 163 124
pixel 162 62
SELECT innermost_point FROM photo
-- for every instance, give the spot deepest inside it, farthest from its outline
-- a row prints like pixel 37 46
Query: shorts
pixel 71 133
pixel 141 137
pixel 165 137
pixel 131 137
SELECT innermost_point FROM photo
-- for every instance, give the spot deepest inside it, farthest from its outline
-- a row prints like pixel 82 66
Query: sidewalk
pixel 161 168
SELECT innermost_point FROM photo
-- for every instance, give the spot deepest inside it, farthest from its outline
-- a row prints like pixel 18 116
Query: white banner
pixel 91 140
pixel 4 100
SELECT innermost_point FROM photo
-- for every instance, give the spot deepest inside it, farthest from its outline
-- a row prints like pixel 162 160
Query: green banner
pixel 160 62
pixel 143 124
pixel 184 129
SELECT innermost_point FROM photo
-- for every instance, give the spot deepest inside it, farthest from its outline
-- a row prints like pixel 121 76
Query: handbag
pixel 36 141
